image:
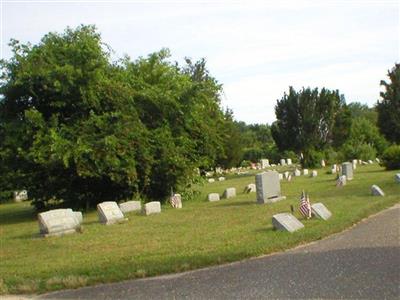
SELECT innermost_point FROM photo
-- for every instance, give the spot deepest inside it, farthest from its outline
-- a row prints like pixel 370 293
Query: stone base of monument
pixel 320 211
pixel 271 200
pixel 286 222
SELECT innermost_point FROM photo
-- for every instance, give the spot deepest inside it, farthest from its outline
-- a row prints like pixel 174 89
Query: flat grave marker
pixel 286 222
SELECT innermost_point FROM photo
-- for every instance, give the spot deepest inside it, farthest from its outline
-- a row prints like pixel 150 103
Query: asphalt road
pixel 362 262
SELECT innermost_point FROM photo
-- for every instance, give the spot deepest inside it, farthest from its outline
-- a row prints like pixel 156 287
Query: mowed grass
pixel 198 235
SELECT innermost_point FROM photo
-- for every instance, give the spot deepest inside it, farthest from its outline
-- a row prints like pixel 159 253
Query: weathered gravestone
pixel 397 177
pixel 250 188
pixel 320 210
pixel 283 162
pixel 59 222
pixel 314 173
pixel 110 213
pixel 78 215
pixel 229 193
pixel 221 179
pixel 213 197
pixel 130 206
pixel 286 222
pixel 377 191
pixel 378 160
pixel 289 161
pixel 153 207
pixel 354 164
pixel 268 187
pixel 20 196
pixel 286 175
pixel 211 180
pixel 264 163
pixel 297 172
pixel 341 181
pixel 370 161
pixel 333 169
pixel 305 172
pixel 176 201
pixel 347 169
pixel 323 163
pixel 280 176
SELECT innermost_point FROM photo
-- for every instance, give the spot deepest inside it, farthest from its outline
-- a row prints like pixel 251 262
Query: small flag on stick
pixel 305 206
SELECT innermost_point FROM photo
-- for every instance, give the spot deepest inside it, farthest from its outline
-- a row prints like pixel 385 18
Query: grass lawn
pixel 200 234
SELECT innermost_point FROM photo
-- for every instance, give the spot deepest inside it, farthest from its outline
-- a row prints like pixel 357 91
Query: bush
pixel 312 158
pixel 361 151
pixel 391 157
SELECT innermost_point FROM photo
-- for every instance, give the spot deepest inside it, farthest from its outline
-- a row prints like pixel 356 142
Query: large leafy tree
pixel 80 129
pixel 389 106
pixel 310 120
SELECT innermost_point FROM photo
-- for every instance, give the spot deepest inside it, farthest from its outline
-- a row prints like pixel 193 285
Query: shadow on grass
pixel 16 215
pixel 241 203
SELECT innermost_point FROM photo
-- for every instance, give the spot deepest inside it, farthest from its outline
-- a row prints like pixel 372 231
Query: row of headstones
pixel 65 220
pixel 211 180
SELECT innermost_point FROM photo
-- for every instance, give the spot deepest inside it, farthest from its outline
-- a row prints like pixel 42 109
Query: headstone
pixel 268 187
pixel 78 215
pixel 153 207
pixel 370 162
pixel 297 172
pixel 129 206
pixel 347 169
pixel 264 163
pixel 286 222
pixel 176 201
pixel 250 188
pixel 221 178
pixel 323 163
pixel 283 162
pixel 110 213
pixel 397 177
pixel 377 191
pixel 59 222
pixel 355 164
pixel 319 210
pixel 213 197
pixel 364 163
pixel 333 169
pixel 229 193
pixel 280 176
pixel 305 172
pixel 211 180
pixel 289 178
pixel 341 181
pixel 286 174
pixel 218 170
pixel 377 160
pixel 314 173
pixel 20 196
pixel 289 161
pixel 360 161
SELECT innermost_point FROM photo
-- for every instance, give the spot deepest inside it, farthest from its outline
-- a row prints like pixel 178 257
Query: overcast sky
pixel 256 49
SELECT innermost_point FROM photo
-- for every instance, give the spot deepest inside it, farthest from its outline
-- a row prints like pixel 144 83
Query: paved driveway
pixel 363 262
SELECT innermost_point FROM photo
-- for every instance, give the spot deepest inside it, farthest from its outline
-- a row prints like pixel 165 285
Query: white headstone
pixel 20 196
pixel 323 163
pixel 153 207
pixel 213 197
pixel 268 187
pixel 176 201
pixel 283 162
pixel 286 175
pixel 129 206
pixel 347 169
pixel 78 215
pixel 280 176
pixel 377 160
pixel 360 161
pixel 341 181
pixel 370 162
pixel 397 177
pixel 264 163
pixel 289 161
pixel 319 210
pixel 286 222
pixel 59 222
pixel 314 173
pixel 377 191
pixel 250 188
pixel 221 178
pixel 109 213
pixel 211 180
pixel 229 193
pixel 297 172
pixel 333 169
pixel 305 172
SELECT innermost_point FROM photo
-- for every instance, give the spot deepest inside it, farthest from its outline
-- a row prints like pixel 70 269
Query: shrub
pixel 312 158
pixel 391 157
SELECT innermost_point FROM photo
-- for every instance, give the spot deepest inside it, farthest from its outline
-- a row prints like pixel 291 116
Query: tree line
pixel 77 128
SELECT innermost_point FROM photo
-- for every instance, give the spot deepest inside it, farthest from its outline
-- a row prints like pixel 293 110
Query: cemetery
pixel 147 239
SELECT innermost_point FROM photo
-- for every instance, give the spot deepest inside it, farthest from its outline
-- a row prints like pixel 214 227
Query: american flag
pixel 305 206
pixel 175 200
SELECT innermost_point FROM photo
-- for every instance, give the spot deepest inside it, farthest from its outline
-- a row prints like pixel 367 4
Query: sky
pixel 255 49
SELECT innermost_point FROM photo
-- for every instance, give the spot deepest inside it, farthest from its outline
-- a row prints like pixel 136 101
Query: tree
pixel 389 106
pixel 78 129
pixel 310 120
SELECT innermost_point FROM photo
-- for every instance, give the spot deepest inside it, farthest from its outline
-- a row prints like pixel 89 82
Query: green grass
pixel 198 235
